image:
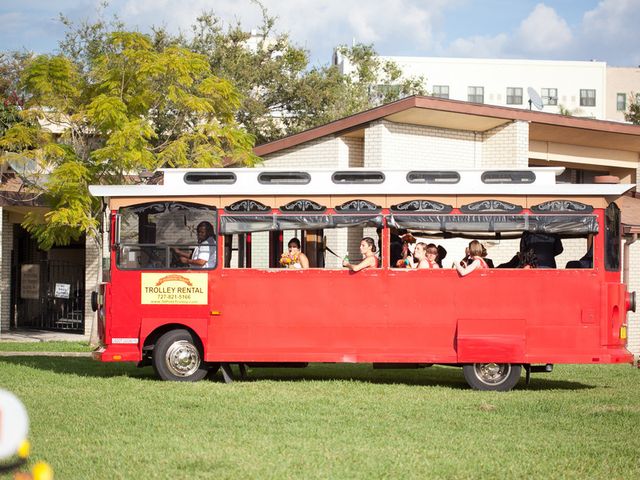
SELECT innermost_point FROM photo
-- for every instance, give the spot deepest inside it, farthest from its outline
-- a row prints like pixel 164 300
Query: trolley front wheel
pixel 177 357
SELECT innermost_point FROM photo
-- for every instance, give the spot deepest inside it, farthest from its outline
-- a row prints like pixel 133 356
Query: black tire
pixel 177 357
pixel 500 377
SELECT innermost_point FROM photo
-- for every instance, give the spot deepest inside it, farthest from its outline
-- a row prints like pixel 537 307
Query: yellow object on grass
pixel 42 471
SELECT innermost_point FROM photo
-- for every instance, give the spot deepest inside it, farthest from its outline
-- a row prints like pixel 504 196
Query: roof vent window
pixel 210 178
pixel 358 177
pixel 508 176
pixel 417 176
pixel 284 178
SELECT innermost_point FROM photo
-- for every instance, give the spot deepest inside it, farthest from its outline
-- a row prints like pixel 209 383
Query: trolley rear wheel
pixel 177 357
pixel 500 377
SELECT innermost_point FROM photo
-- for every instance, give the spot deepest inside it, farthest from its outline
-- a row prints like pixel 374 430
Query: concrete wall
pixel 92 278
pixel 6 233
pixel 621 80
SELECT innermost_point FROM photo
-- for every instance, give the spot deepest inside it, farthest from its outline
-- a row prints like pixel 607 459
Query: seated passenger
pixel 294 258
pixel 467 260
pixel 545 245
pixel 395 247
pixel 367 249
pixel 527 259
pixel 204 255
pixel 406 259
pixel 488 261
pixel 475 250
pixel 442 252
pixel 587 260
pixel 426 256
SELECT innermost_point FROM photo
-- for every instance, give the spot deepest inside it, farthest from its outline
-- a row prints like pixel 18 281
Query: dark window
pixel 508 176
pixel 159 235
pixel 550 96
pixel 441 91
pixel 418 176
pixel 210 178
pixel 612 238
pixel 514 96
pixel 357 177
pixel 284 178
pixel 587 98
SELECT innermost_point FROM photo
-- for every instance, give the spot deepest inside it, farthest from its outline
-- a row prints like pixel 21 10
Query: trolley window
pixel 166 235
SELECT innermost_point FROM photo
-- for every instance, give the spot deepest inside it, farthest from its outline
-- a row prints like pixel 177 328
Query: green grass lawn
pixel 93 420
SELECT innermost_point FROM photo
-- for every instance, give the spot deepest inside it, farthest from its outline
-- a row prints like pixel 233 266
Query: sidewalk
pixel 41 336
pixel 13 336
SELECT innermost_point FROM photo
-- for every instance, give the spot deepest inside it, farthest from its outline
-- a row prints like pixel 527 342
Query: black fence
pixel 49 295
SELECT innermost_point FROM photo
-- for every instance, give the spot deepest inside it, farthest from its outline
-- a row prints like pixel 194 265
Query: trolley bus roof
pixel 359 181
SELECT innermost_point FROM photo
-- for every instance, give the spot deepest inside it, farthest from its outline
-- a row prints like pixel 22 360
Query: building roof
pixel 459 115
pixel 630 209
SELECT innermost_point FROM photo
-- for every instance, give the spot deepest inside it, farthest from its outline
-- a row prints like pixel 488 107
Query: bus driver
pixel 204 255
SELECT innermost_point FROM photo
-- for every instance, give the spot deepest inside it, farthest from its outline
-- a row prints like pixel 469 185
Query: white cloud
pixel 479 46
pixel 392 25
pixel 611 32
pixel 543 32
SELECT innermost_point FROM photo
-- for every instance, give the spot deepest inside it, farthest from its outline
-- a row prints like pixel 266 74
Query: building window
pixel 587 98
pixel 514 96
pixel 475 94
pixel 550 96
pixel 621 102
pixel 441 91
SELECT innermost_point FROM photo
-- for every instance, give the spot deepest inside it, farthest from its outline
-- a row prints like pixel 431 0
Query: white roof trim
pixel 395 183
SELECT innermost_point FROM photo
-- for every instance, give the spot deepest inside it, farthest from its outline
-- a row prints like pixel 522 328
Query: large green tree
pixel 282 93
pixel 11 97
pixel 128 106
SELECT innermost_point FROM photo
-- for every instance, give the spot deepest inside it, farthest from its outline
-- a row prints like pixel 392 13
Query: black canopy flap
pixel 245 223
pixel 567 224
pixel 308 222
pixel 357 221
pixel 230 224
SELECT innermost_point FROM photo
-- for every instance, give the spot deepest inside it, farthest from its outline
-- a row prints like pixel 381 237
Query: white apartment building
pixel 586 89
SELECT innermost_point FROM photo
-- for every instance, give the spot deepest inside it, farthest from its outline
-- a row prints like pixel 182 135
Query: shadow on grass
pixel 436 376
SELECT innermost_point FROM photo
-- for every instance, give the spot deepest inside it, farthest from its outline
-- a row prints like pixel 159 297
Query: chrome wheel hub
pixel 492 373
pixel 182 358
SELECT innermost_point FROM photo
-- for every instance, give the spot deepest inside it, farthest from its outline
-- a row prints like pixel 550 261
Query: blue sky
pixel 605 30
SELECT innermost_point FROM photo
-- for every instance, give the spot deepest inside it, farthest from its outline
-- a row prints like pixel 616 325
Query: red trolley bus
pixel 194 280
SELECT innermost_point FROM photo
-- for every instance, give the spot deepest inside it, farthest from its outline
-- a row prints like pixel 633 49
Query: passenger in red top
pixel 426 256
pixel 475 252
pixel 368 250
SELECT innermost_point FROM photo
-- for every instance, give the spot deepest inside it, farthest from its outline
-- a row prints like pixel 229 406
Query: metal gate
pixel 51 296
